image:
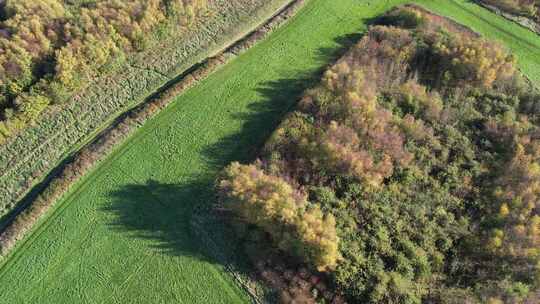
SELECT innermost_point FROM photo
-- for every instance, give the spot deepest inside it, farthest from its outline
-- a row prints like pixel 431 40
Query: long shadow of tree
pixel 345 42
pixel 165 212
pixel 279 98
pixel 259 121
pixel 159 212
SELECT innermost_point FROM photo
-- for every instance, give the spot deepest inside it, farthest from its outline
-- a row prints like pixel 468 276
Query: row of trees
pixel 47 52
pixel 417 142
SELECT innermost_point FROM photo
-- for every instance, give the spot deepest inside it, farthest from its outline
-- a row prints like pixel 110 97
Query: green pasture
pixel 123 234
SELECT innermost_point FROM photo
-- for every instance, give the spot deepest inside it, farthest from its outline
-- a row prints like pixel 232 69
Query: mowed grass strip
pixel 122 235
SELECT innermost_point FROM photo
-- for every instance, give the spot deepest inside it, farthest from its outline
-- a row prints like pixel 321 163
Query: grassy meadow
pixel 123 234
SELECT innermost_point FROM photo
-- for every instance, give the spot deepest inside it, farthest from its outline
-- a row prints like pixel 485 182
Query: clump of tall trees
pixel 48 51
pixel 413 167
pixel 273 204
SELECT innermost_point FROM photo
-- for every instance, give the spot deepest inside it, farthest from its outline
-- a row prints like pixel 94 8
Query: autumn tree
pixel 472 60
pixel 516 217
pixel 51 51
pixel 272 204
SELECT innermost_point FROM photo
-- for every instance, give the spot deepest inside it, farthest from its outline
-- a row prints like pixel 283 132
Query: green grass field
pixel 122 235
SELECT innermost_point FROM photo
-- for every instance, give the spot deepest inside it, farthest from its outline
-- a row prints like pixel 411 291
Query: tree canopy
pixel 420 146
pixel 49 49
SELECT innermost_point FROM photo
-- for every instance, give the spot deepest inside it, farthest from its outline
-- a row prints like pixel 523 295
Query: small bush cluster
pixel 422 142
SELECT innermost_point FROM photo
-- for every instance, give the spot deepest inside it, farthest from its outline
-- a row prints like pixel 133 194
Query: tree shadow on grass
pixel 279 98
pixel 345 42
pixel 165 213
pixel 160 213
pixel 258 122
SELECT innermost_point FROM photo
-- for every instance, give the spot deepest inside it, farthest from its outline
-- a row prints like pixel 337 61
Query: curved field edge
pixel 129 155
pixel 30 158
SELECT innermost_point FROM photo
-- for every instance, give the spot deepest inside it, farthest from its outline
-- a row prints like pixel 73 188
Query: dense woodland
pixel 51 48
pixel 528 8
pixel 410 174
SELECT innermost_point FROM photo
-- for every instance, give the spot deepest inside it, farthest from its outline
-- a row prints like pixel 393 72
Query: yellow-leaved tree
pixel 273 205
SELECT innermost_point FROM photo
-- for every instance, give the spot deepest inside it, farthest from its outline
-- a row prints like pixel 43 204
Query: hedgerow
pixel 523 12
pixel 529 8
pixel 422 142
